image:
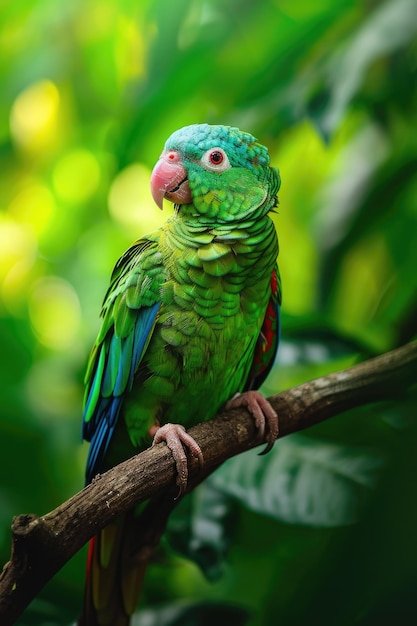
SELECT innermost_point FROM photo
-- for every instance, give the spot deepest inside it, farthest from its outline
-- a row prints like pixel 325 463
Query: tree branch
pixel 42 545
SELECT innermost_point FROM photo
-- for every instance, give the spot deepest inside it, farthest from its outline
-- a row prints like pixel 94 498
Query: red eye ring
pixel 216 157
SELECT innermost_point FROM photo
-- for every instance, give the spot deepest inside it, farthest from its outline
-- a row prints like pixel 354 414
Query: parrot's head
pixel 215 173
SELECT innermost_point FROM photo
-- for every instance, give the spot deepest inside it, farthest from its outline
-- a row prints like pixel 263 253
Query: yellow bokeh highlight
pixel 364 270
pixel 55 312
pixel 16 242
pixel 130 49
pixel 33 205
pixel 17 256
pixel 130 200
pixel 76 176
pixel 34 117
pixel 300 177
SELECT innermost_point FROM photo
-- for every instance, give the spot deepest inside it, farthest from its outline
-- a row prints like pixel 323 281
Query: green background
pixel 322 530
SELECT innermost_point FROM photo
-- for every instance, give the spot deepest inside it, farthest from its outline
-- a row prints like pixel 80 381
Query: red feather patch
pixel 267 344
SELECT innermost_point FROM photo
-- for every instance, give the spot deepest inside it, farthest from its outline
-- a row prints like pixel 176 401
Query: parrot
pixel 190 325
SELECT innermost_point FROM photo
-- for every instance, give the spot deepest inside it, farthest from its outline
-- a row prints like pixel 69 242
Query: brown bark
pixel 42 545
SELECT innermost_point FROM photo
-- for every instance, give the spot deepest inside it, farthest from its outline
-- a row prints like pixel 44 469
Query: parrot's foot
pixel 263 414
pixel 177 440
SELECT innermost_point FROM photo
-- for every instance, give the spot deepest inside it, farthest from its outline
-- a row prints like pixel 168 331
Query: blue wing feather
pixel 116 358
pixel 100 428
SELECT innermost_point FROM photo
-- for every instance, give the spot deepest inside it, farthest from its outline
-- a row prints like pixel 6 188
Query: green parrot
pixel 190 325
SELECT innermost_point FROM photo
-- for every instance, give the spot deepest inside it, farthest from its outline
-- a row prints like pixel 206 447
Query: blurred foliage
pixel 90 90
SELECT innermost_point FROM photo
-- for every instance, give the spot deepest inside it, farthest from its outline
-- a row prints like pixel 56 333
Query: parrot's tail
pixel 114 576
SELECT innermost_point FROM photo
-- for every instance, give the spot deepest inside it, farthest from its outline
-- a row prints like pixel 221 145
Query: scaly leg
pixel 263 414
pixel 177 440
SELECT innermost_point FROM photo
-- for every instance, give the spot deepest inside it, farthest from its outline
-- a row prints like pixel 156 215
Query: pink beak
pixel 169 180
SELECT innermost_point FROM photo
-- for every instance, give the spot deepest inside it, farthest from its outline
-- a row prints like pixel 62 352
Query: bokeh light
pixel 76 176
pixel 130 200
pixel 90 92
pixel 17 255
pixel 54 311
pixel 34 117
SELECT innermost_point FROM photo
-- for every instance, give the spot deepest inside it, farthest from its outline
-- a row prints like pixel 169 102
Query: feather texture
pixel 191 318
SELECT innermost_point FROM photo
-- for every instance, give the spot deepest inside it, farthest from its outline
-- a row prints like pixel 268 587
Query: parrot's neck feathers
pixel 219 249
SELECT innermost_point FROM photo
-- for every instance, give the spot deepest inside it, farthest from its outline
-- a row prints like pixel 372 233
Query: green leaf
pixel 302 481
pixel 390 27
pixel 200 529
pixel 203 614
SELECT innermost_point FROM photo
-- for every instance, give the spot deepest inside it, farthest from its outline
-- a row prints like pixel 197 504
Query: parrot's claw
pixel 263 414
pixel 177 440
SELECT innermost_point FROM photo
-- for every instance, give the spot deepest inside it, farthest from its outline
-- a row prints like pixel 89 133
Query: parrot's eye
pixel 215 160
pixel 216 157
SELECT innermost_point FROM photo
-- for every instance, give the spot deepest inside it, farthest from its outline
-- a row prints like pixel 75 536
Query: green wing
pixel 130 310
